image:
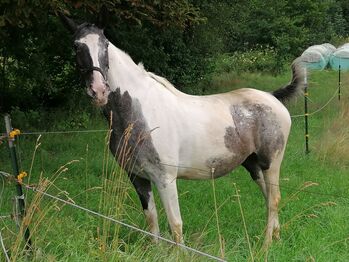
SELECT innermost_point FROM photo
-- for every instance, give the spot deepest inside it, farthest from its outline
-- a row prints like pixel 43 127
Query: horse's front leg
pixel 145 194
pixel 168 193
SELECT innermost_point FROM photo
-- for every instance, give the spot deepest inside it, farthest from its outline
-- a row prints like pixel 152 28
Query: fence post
pixel 20 195
pixel 306 114
pixel 339 82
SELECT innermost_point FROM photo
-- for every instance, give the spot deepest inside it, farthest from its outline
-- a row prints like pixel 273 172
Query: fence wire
pixel 321 108
pixel 65 132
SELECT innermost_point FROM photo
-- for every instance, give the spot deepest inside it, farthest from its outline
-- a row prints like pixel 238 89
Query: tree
pixel 173 38
pixel 36 54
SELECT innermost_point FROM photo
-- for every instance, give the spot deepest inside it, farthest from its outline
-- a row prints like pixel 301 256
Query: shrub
pixel 260 59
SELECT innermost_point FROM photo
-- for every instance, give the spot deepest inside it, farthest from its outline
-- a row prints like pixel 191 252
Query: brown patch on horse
pixel 221 166
pixel 256 130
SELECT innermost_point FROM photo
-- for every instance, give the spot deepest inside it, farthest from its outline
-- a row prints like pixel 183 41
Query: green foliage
pixel 36 70
pixel 263 59
pixel 31 119
pixel 37 64
pixel 162 13
pixel 287 26
pixel 167 52
pixel 75 118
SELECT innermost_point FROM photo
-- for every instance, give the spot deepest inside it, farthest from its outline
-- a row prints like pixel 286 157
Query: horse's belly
pixel 207 155
pixel 211 167
pixel 195 174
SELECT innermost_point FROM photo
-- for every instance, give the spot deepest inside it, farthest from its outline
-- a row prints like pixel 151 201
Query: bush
pixel 52 120
pixel 261 59
pixel 26 120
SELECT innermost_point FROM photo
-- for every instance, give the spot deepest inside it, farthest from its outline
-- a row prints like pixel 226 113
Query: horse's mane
pixel 161 80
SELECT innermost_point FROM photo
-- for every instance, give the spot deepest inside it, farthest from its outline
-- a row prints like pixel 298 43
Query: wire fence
pixel 97 214
pixel 320 108
pixel 159 237
pixel 65 132
pixel 94 213
pixel 122 223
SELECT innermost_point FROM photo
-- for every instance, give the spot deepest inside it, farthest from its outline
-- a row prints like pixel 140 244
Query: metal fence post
pixel 306 114
pixel 339 82
pixel 20 195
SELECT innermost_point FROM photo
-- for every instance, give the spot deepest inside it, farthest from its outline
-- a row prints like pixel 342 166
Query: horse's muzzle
pixel 99 93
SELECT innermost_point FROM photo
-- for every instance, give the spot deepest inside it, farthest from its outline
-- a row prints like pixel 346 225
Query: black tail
pixel 295 86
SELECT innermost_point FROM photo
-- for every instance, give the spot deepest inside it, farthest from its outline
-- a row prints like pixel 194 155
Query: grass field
pixel 314 210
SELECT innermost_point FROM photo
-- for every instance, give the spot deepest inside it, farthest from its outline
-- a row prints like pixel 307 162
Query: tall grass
pixel 109 242
pixel 333 145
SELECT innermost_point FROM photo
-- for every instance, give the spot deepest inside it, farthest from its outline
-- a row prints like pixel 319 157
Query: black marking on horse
pixel 85 29
pixel 252 166
pixel 83 57
pixel 143 189
pixel 130 139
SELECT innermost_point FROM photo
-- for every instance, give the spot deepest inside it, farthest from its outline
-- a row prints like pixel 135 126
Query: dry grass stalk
pixel 114 191
pixel 220 238
pixel 244 223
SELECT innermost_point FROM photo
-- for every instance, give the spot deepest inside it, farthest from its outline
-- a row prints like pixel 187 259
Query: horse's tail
pixel 295 86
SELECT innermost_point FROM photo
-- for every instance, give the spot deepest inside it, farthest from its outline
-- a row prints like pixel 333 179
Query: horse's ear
pixel 68 23
pixel 103 17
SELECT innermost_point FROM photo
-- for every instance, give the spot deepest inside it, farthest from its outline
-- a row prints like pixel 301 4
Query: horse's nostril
pixel 93 92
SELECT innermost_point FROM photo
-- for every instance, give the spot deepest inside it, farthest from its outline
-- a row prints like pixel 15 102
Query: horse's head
pixel 91 49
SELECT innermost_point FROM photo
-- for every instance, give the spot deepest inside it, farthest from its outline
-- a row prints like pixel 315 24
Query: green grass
pixel 314 211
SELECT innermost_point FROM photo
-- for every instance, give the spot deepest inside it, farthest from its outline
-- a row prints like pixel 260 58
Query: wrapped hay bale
pixel 317 56
pixel 340 57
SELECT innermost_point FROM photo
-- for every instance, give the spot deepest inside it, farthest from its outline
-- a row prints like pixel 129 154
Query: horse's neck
pixel 123 72
pixel 125 75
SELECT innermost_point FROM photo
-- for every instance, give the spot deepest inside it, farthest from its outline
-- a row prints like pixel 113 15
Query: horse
pixel 174 135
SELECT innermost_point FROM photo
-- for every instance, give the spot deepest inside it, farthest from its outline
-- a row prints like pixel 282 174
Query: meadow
pixel 314 210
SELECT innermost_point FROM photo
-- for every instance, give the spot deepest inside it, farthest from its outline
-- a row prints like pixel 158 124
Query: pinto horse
pixel 175 135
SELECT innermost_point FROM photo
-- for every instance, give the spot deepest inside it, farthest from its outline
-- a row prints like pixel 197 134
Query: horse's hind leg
pixel 252 166
pixel 145 194
pixel 271 177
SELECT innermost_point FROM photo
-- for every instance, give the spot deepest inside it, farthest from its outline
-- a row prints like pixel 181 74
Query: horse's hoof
pixel 276 234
